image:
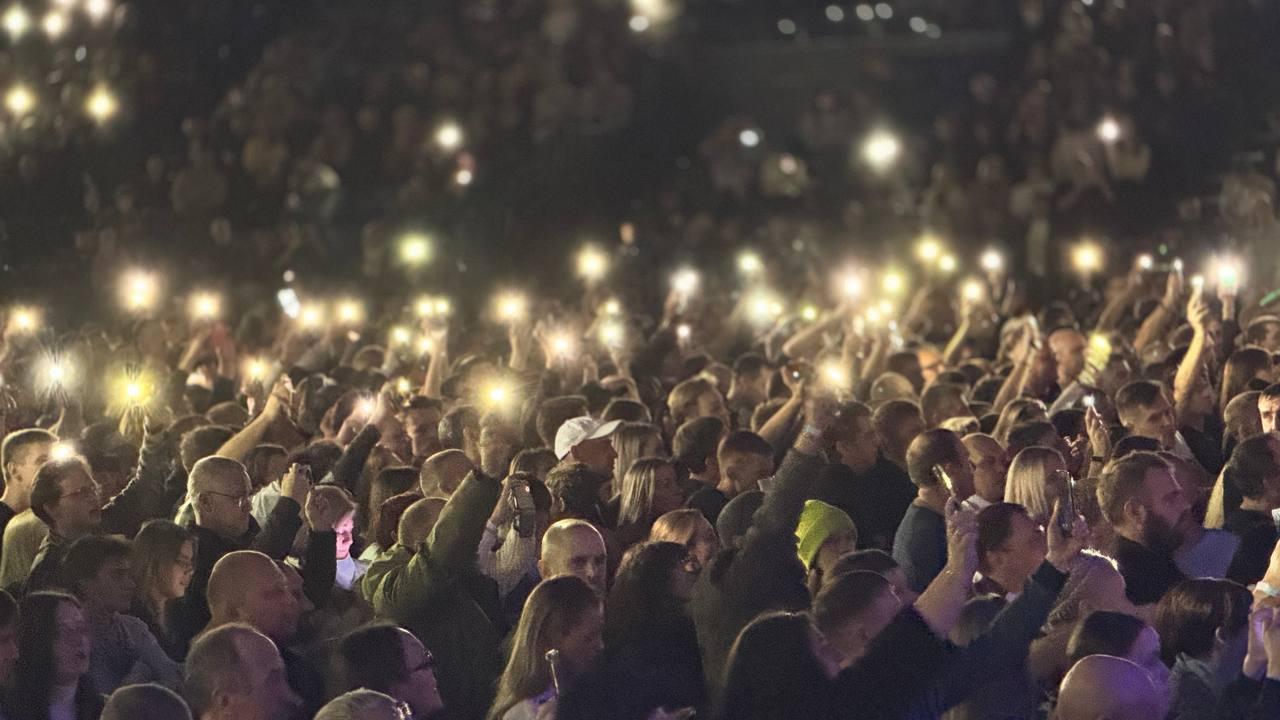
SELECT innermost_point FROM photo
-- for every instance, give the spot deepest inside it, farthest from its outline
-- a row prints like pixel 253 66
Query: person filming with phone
pixel 939 466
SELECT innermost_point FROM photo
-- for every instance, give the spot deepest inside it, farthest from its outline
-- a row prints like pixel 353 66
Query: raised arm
pixel 1192 365
pixel 240 444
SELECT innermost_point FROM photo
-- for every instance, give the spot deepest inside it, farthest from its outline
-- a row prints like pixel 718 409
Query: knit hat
pixel 818 522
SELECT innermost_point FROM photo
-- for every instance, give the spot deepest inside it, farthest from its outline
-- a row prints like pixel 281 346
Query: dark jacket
pixel 920 546
pixel 875 500
pixel 1258 535
pixel 441 597
pixel 1147 574
pixel 191 612
pixel 909 672
pixel 764 574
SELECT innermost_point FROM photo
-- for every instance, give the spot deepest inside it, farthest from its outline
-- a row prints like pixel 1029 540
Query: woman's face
pixel 178 576
pixel 70 645
pixel 666 492
pixel 344 529
pixel 705 544
pixel 584 642
pixel 684 576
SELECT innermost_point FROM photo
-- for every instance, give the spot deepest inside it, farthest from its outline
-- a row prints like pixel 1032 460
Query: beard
pixel 1161 536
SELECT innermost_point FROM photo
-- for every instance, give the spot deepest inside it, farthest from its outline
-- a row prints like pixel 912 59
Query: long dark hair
pixel 33 679
pixel 641 602
pixel 773 673
pixel 156 547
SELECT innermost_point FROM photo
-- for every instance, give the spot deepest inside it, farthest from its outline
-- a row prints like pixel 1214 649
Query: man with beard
pixel 1143 502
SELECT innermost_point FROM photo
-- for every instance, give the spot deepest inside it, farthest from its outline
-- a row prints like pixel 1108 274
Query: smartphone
pixel 941 475
pixel 1067 516
pixel 522 503
pixel 289 303
pixel 1090 401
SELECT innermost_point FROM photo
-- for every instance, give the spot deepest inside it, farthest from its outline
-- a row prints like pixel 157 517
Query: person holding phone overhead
pixel 939 466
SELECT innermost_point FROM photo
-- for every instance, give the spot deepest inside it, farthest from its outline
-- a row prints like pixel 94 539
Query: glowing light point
pixel 449 136
pixel 19 100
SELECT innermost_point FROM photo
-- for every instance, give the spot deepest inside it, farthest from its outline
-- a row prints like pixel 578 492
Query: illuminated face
pixel 175 581
pixel 1068 348
pixel 1154 421
pixel 71 645
pixel 78 510
pixel 597 454
pixel 344 530
pixel 1166 510
pixel 1022 552
pixel 1269 411
pixel 745 470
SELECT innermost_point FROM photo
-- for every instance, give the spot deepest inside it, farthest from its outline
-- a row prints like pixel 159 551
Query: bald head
pixel 419 520
pixel 234 671
pixel 574 547
pixel 214 474
pixel 1102 687
pixel 145 702
pixel 247 587
pixel 443 472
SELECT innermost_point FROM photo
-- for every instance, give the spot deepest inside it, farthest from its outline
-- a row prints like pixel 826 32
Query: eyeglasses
pixel 242 501
pixel 428 663
pixel 86 490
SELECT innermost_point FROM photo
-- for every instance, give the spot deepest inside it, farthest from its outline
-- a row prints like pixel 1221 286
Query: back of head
pixel 211 472
pixel 535 461
pixel 234 576
pixel 641 596
pixel 361 705
pixel 678 526
pixel 940 401
pixel 559 536
pixel 1131 444
pixel 1123 480
pixel 930 448
pixel 552 413
pixel 697 440
pixel 1251 465
pixel 455 424
pixel 735 519
pixel 891 386
pixel 869 560
pixel 845 597
pixel 627 411
pixel 371 657
pixel 442 472
pixel 228 414
pixel 892 415
pixel 818 522
pixel 218 660
pixel 1033 433
pixel 771 671
pixel 418 520
pixel 683 399
pixel 1137 394
pixel 1104 632
pixel 1032 482
pixel 576 487
pixel 1198 613
pixel 201 443
pixel 86 557
pixel 145 702
pixel 1103 687
pixel 744 442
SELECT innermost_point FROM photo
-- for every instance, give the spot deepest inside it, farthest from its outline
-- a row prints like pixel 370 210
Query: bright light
pixel 311 316
pixel 205 305
pixel 101 104
pixel 415 249
pixel 403 386
pixel 512 307
pixel 425 307
pixel 834 375
pixel 449 136
pixel 592 263
pixel 498 396
pixel 685 281
pixel 884 11
pixel 1146 262
pixel 349 311
pixel 463 177
pixel 929 249
pixel 1108 130
pixel 1228 272
pixel 425 346
pixel 400 335
pixel 19 100
pixel 638 23
pixel 894 283
pixel 787 26
pixel 97 9
pixel 1087 257
pixel 133 391
pixel 256 369
pixel 25 320
pixel 749 138
pixel 612 333
pixel 881 150
pixel 872 316
pixel 54 24
pixel 749 263
pixel 443 307
pixel 948 263
pixel 57 373
pixel 992 261
pixel 365 407
pixel 850 285
pixel 835 13
pixel 612 307
pixel 1197 282
pixel 764 307
pixel 683 332
pixel 809 313
pixel 562 345
pixel 971 291
pixel 865 13
pixel 1177 265
pixel 62 451
pixel 918 24
pixel 139 290
pixel 16 21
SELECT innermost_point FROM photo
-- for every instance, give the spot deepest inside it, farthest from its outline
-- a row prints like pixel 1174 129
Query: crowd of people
pixel 271 449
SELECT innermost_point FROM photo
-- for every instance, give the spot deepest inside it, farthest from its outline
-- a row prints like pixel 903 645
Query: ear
pixel 1135 512
pixel 542 568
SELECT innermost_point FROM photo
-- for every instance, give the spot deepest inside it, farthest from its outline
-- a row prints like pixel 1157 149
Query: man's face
pixel 418 688
pixel 422 425
pixel 112 588
pixel 265 694
pixel 1269 410
pixel 8 651
pixel 270 607
pixel 745 470
pixel 582 555
pixel 860 449
pixel 1022 552
pixel 225 504
pixel 1154 421
pixel 344 529
pixel 710 404
pixel 78 510
pixel 22 472
pixel 930 364
pixel 1166 511
pixel 851 640
pixel 961 472
pixel 990 468
pixel 1068 348
pixel 597 454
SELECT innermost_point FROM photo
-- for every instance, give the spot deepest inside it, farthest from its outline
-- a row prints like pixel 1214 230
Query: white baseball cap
pixel 579 429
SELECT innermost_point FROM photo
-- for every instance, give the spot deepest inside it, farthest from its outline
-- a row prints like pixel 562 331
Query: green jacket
pixel 439 595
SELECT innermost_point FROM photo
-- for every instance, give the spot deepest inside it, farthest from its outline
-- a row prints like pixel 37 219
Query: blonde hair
pixel 637 490
pixel 629 442
pixel 554 607
pixel 679 526
pixel 1032 482
pixel 683 400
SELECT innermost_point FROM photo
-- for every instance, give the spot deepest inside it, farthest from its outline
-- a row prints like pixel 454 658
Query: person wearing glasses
pixel 219 492
pixel 386 659
pixel 162 561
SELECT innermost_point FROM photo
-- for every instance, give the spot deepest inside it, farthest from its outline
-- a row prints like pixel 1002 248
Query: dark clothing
pixel 306 680
pixel 6 514
pixel 441 597
pixel 875 500
pixel 920 546
pixel 191 612
pixel 1250 699
pixel 161 628
pixel 1258 535
pixel 1147 575
pixel 1206 445
pixel 709 501
pixel 763 574
pixel 908 672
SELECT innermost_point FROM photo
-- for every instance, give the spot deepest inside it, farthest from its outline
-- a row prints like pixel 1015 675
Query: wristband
pixel 1267 589
pixel 811 429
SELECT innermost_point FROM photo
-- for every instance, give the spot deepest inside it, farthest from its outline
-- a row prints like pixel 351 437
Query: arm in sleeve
pixel 320 569
pixel 144 497
pixel 456 536
pixel 152 664
pixel 346 472
pixel 1267 706
pixel 276 538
